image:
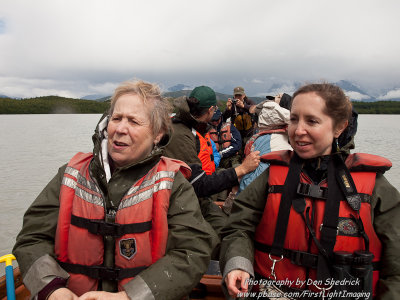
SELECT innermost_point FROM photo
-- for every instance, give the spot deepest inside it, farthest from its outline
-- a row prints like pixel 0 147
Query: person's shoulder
pixel 180 129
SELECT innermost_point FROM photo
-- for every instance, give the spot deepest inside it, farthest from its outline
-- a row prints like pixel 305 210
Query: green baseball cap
pixel 205 95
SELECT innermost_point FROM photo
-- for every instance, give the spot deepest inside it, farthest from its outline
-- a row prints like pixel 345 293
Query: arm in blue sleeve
pixel 217 156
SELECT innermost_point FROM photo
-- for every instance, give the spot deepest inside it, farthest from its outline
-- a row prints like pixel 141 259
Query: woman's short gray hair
pixel 150 93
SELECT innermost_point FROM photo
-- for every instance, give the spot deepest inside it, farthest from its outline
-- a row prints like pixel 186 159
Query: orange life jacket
pixel 222 138
pixel 363 168
pixel 206 153
pixel 140 229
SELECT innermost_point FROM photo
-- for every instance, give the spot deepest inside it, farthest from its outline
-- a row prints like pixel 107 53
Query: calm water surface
pixel 33 147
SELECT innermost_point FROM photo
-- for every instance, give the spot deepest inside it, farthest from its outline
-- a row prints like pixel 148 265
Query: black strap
pixel 105 228
pixel 304 190
pixel 346 183
pixel 101 272
pixel 330 223
pixel 312 190
pixel 289 193
pixel 301 258
pixel 306 219
pixel 362 232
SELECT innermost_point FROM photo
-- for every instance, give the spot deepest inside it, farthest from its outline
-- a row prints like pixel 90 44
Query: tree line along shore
pixel 61 105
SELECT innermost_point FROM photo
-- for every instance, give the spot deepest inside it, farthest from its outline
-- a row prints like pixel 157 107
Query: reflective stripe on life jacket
pixel 297 239
pixel 205 154
pixel 141 218
pixel 222 138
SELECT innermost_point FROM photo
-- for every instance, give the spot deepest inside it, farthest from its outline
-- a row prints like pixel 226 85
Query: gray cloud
pixel 77 48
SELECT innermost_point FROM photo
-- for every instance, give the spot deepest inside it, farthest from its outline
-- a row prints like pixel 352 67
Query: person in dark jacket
pixel 238 110
pixel 122 222
pixel 192 115
pixel 317 214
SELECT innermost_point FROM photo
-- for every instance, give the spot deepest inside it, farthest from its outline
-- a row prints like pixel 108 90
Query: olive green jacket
pixel 237 249
pixel 190 238
pixel 183 147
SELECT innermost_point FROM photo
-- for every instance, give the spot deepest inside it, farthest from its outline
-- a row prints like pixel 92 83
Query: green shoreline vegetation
pixel 61 105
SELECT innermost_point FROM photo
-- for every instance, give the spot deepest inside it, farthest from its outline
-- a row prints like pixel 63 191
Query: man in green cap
pixel 190 125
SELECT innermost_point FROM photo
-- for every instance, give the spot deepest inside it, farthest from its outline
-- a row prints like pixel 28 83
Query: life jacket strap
pixel 301 258
pixel 103 228
pixel 101 272
pixel 304 190
pixel 312 190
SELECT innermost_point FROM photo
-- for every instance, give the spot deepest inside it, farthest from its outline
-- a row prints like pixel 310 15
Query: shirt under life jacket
pixel 249 145
pixel 222 138
pixel 297 246
pixel 140 228
pixel 243 122
pixel 205 153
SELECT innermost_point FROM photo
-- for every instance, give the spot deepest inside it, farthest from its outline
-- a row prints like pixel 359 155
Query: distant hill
pixel 51 105
pixel 97 97
pixel 178 87
pixel 61 105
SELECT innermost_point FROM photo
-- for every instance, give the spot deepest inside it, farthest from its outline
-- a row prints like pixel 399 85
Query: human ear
pixel 340 128
pixel 158 138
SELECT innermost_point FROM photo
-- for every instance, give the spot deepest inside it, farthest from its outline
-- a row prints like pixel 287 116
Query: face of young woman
pixel 311 131
pixel 130 135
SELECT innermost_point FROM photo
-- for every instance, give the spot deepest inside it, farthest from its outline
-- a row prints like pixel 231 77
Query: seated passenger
pixel 191 120
pixel 319 221
pixel 122 222
pixel 227 139
pixel 273 119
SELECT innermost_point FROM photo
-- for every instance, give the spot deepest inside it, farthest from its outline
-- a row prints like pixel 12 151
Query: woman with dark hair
pixel 317 215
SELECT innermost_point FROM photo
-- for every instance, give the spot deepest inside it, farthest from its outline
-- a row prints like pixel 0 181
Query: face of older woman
pixel 311 131
pixel 130 136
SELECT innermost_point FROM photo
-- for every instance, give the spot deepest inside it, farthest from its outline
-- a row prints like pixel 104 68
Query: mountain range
pixel 257 91
pixel 354 91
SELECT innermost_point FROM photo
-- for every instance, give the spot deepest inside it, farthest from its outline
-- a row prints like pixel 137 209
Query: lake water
pixel 33 147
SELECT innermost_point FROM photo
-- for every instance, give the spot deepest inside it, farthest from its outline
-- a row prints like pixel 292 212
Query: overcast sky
pixel 75 48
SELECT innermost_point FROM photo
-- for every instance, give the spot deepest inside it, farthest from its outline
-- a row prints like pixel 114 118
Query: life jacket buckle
pixel 274 261
pixel 109 273
pixel 312 190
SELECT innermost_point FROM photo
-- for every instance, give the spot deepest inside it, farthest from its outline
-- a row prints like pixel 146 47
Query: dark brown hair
pixel 337 105
pixel 195 110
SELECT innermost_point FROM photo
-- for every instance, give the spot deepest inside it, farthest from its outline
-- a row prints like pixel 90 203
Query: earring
pixel 337 144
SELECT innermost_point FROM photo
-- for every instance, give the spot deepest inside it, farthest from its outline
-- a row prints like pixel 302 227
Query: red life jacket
pixel 363 168
pixel 206 153
pixel 249 145
pixel 222 139
pixel 140 229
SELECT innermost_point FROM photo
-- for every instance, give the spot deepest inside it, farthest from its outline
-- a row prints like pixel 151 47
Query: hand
pixel 240 103
pixel 229 104
pixel 99 295
pixel 249 164
pixel 237 282
pixel 62 294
